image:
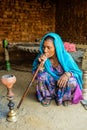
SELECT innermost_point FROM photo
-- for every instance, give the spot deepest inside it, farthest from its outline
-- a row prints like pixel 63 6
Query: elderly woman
pixel 59 77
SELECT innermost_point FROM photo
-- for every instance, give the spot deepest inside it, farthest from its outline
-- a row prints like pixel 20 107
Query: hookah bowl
pixel 9 80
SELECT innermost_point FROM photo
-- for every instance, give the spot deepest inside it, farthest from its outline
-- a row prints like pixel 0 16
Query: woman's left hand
pixel 62 81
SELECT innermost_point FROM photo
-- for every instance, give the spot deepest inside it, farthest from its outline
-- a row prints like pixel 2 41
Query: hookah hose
pixel 27 89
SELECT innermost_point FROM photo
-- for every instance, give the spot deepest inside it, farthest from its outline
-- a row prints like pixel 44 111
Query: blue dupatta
pixel 65 59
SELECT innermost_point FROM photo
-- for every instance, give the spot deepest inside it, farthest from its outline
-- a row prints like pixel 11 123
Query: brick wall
pixel 71 20
pixel 25 20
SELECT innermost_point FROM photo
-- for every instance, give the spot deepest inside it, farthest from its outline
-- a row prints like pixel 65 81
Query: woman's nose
pixel 45 50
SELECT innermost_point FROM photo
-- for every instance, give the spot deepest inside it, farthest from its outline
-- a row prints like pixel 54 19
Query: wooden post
pixel 85 84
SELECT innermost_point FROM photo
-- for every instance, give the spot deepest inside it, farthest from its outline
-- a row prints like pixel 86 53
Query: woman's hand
pixel 42 58
pixel 61 83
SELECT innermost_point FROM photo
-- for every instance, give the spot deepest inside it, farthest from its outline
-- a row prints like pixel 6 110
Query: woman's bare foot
pixel 67 103
pixel 45 102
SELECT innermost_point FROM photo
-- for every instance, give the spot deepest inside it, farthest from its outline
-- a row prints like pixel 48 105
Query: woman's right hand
pixel 42 58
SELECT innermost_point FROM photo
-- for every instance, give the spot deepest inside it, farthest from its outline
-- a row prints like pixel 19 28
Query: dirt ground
pixel 32 115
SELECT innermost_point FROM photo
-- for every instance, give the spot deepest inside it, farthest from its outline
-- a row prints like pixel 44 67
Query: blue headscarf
pixel 64 58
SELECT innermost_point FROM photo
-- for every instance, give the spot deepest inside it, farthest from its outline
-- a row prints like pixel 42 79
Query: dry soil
pixel 32 115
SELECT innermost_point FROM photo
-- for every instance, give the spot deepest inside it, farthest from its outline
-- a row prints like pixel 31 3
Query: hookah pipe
pixel 8 80
pixel 27 89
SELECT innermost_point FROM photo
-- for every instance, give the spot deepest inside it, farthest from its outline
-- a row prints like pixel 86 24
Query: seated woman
pixel 59 77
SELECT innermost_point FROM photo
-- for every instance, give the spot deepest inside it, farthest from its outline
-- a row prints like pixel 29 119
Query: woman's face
pixel 48 48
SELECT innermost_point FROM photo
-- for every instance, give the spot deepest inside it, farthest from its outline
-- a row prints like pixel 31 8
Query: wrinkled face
pixel 48 48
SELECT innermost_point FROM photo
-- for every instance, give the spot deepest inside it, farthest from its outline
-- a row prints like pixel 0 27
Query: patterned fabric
pixel 47 88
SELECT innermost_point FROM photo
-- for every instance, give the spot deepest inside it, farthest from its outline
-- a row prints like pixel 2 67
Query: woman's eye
pixel 49 47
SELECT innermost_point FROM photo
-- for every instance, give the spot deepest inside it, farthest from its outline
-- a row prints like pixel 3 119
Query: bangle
pixel 68 74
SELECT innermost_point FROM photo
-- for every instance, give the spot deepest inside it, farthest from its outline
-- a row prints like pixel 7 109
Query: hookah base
pixel 11 117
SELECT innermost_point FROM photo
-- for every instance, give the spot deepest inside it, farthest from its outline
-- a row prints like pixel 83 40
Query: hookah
pixel 9 80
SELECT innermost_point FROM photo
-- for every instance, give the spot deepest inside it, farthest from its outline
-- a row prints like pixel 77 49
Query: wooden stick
pixel 27 89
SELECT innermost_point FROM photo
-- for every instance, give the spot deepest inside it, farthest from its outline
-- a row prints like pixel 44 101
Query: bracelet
pixel 41 69
pixel 68 74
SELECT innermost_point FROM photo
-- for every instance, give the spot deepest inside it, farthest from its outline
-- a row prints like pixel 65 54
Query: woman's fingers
pixel 42 58
pixel 62 81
